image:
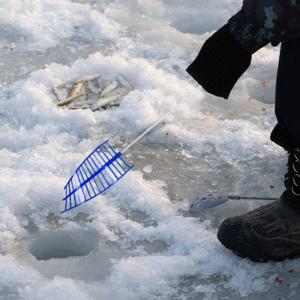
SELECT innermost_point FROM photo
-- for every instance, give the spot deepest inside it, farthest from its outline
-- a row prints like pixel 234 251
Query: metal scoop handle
pixel 251 198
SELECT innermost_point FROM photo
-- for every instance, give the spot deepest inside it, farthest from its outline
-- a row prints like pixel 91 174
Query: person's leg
pixel 272 232
pixel 287 102
pixel 287 108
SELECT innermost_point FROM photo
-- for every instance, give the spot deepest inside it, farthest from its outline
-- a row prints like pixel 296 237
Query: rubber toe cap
pixel 228 233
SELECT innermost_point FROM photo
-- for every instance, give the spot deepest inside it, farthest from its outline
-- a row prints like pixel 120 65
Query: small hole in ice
pixel 63 244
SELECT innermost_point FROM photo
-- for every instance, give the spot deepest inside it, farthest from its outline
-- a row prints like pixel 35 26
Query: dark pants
pixel 287 102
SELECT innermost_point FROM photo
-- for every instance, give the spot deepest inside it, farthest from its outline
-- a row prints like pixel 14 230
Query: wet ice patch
pixel 147 169
pixel 63 244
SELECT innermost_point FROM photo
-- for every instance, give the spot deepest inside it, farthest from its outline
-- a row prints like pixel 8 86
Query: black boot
pixel 271 232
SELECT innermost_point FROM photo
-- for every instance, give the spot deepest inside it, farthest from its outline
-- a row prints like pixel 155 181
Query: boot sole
pixel 248 250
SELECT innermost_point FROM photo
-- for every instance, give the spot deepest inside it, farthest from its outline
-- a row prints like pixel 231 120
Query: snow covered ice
pixel 136 241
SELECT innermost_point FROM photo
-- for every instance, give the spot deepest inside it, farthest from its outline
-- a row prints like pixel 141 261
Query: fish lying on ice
pixel 124 82
pixel 103 102
pixel 101 84
pixel 78 91
pixel 109 88
pixel 111 99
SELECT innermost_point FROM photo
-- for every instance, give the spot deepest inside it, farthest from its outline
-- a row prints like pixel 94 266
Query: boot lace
pixel 292 178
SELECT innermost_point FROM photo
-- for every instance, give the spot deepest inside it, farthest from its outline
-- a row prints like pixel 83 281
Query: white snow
pixel 42 24
pixel 135 241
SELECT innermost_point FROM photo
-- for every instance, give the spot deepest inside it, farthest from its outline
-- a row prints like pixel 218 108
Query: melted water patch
pixel 63 244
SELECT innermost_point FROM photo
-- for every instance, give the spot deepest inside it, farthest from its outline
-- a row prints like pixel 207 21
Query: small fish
pixel 105 101
pixel 76 89
pixel 69 100
pixel 109 88
pixel 78 92
pixel 101 83
pixel 124 82
pixel 119 91
pixel 84 92
pixel 112 98
pixel 57 94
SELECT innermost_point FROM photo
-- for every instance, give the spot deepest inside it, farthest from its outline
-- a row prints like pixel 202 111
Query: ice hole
pixel 63 244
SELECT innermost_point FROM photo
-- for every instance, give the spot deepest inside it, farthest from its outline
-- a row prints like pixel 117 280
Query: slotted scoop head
pixel 202 204
pixel 97 173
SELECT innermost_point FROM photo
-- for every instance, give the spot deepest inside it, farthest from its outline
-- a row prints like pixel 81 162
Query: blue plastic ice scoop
pixel 98 172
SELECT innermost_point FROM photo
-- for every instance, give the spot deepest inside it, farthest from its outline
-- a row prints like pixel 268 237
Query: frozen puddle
pixel 69 253
pixel 63 244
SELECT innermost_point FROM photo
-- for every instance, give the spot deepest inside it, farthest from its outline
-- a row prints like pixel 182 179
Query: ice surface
pixel 136 241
